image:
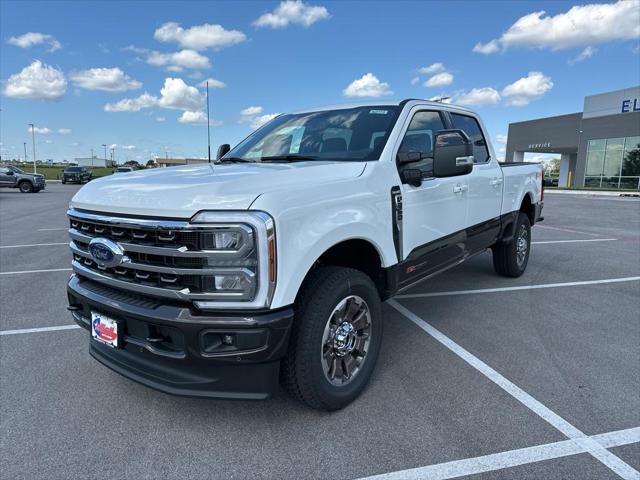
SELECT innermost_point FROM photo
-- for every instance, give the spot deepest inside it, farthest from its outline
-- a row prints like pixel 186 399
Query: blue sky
pixel 128 73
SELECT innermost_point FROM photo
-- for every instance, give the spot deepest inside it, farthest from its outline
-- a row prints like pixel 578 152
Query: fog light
pixel 227 339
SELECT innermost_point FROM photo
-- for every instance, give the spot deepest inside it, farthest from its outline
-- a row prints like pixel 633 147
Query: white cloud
pixel 30 39
pixel 501 138
pixel 415 80
pixel 580 26
pixel 292 11
pixel 257 122
pixel 213 83
pixel 134 49
pixel 199 37
pixel 132 104
pixel 588 52
pixel 367 86
pixel 524 90
pixel 177 61
pixel 160 119
pixel 106 79
pixel 38 81
pixel 251 111
pixel 176 94
pixel 64 131
pixel 128 147
pixel 40 130
pixel 477 97
pixel 431 69
pixel 251 115
pixel 439 80
pixel 193 117
pixel 487 48
pixel 113 146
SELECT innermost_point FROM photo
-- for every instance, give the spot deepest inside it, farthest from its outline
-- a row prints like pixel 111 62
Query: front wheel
pixel 335 340
pixel 25 187
pixel 511 259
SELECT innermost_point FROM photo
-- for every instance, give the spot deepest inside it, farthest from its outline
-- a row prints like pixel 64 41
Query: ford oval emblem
pixel 105 252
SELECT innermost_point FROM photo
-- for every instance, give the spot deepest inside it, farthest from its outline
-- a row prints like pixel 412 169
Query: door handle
pixel 460 187
pixel 495 182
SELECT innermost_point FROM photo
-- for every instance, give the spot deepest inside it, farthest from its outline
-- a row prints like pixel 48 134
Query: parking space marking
pixel 50 229
pixel 519 287
pixel 567 230
pixel 614 463
pixel 546 242
pixel 37 271
pixel 38 330
pixel 35 245
pixel 512 458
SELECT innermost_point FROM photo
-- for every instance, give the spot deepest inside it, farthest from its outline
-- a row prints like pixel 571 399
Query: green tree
pixel 631 162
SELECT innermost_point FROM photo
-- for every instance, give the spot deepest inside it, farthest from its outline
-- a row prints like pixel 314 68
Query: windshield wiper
pixel 287 158
pixel 234 160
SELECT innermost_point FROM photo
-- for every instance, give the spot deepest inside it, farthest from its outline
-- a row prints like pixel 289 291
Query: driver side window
pixel 419 138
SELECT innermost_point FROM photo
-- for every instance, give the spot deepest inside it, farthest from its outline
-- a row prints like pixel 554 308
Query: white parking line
pixel 594 448
pixel 512 458
pixel 520 287
pixel 51 229
pixel 566 230
pixel 37 271
pixel 38 330
pixel 34 245
pixel 546 242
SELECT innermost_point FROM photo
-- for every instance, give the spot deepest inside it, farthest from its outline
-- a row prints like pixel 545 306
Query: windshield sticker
pixel 378 112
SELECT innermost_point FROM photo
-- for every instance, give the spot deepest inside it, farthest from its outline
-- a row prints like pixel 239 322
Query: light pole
pixel 113 157
pixel 33 141
pixel 208 126
pixel 25 151
pixel 105 154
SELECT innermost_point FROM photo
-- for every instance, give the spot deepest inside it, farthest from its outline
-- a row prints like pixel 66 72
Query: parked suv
pixel 13 177
pixel 218 280
pixel 76 175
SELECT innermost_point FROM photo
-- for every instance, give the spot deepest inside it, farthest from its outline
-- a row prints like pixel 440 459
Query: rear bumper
pixel 174 349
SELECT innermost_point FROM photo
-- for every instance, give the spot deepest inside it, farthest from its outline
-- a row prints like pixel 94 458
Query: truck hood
pixel 181 192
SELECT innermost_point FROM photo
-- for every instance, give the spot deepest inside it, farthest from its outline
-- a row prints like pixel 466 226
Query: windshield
pixel 74 169
pixel 354 134
pixel 14 169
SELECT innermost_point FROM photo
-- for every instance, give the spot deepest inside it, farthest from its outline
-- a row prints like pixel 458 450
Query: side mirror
pixel 452 154
pixel 409 157
pixel 223 150
pixel 412 176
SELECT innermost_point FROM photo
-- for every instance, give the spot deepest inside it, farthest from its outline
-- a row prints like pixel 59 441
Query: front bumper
pixel 176 349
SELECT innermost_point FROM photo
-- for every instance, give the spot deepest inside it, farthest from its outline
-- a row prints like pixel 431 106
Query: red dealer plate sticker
pixel 104 329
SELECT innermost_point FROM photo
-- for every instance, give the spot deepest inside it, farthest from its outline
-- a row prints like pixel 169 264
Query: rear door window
pixel 471 127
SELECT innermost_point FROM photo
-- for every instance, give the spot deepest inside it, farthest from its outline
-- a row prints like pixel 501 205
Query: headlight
pixel 241 247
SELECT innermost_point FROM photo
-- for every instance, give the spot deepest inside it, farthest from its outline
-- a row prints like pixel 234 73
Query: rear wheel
pixel 336 337
pixel 511 259
pixel 25 186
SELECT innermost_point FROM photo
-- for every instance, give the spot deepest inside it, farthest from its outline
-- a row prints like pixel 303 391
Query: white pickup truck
pixel 218 280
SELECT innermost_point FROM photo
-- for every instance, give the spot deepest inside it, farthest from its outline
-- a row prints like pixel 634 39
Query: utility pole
pixel 105 154
pixel 208 126
pixel 113 157
pixel 33 141
pixel 25 151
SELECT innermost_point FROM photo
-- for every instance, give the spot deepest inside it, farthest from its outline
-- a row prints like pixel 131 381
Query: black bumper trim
pixel 190 361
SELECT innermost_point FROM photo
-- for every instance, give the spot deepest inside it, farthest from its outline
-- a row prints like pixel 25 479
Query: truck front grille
pixel 162 258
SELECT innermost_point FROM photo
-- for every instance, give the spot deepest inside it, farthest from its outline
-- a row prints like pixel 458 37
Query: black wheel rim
pixel 522 245
pixel 345 340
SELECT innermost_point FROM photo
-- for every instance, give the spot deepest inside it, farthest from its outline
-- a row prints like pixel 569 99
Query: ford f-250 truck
pixel 217 280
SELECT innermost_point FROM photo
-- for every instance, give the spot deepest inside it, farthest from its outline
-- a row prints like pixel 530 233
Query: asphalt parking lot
pixel 479 376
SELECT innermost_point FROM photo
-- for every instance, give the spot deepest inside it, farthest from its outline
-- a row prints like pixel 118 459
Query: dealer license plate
pixel 104 329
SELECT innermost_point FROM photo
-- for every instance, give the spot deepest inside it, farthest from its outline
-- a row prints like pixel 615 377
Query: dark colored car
pixel 550 181
pixel 76 175
pixel 13 177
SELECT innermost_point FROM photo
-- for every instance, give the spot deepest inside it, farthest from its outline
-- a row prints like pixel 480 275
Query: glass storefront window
pixel 595 162
pixel 613 163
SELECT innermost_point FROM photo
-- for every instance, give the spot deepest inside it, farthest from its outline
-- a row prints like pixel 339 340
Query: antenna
pixel 208 126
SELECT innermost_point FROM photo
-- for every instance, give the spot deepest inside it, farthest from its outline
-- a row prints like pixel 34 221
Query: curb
pixel 591 193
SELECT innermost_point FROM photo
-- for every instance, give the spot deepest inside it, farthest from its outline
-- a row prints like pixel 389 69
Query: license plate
pixel 104 330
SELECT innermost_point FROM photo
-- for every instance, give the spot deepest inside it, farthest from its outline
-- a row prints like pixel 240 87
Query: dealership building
pixel 599 147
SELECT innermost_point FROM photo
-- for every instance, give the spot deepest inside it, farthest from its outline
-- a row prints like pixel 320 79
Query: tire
pixel 25 186
pixel 63 181
pixel 511 259
pixel 316 352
